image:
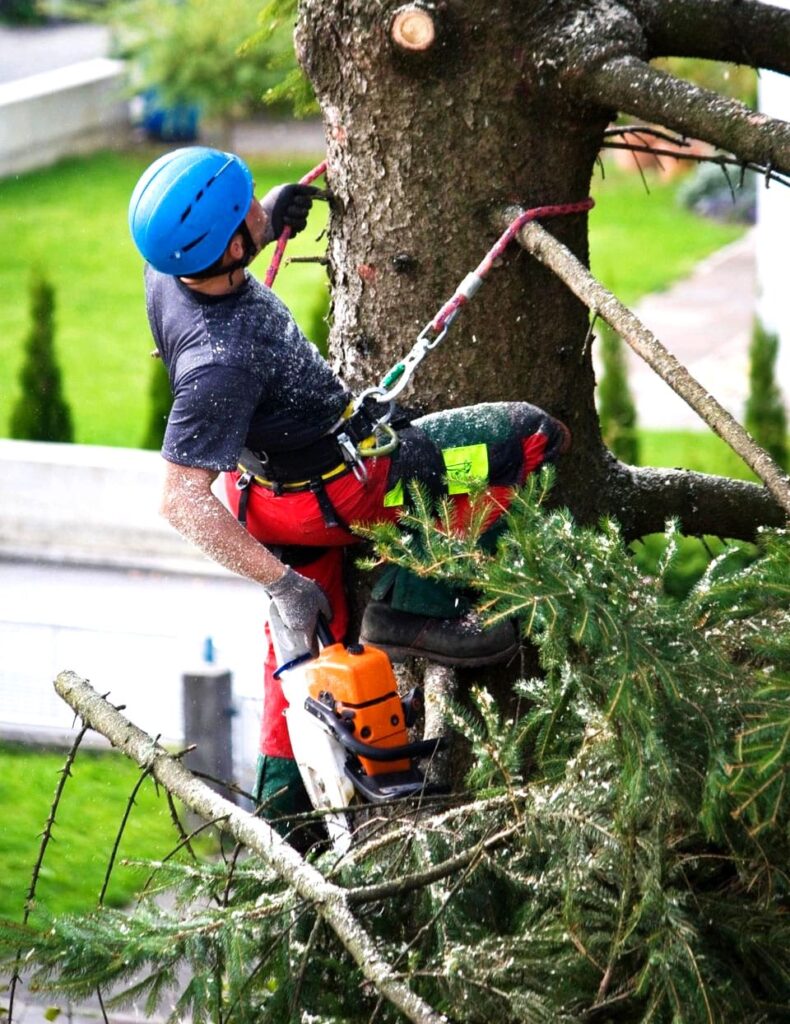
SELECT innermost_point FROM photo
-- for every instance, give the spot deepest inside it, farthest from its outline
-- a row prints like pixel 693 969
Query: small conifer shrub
pixel 41 412
pixel 766 418
pixel 616 408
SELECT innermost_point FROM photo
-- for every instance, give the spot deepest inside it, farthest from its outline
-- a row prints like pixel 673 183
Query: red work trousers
pixel 295 518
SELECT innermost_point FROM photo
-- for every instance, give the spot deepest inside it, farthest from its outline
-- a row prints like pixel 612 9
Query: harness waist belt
pixel 321 458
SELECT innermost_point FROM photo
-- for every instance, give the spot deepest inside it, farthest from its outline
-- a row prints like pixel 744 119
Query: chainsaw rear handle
pixel 323 632
pixel 342 733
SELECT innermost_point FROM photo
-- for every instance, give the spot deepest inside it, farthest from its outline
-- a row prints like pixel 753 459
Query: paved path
pixel 706 321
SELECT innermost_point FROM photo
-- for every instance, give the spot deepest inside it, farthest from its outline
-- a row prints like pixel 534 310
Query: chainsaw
pixel 348 725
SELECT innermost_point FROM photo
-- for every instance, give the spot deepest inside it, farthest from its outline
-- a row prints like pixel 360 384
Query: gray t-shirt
pixel 241 372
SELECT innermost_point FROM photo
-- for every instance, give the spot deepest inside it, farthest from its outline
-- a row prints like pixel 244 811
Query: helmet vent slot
pixel 194 242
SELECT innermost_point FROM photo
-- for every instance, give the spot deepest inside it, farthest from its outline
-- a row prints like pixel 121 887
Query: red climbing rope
pixel 282 241
pixel 470 284
pixel 431 335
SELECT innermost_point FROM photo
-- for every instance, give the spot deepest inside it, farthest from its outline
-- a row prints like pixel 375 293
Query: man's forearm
pixel 191 508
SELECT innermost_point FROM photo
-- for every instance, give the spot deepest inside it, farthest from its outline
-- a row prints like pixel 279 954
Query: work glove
pixel 299 602
pixel 288 205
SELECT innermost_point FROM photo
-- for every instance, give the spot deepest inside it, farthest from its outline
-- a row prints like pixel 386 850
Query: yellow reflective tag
pixel 463 464
pixel 394 496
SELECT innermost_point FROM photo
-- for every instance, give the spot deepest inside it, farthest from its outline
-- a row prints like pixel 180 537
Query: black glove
pixel 299 602
pixel 288 205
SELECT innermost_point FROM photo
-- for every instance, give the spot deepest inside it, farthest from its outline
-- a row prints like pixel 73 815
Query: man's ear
pixel 235 249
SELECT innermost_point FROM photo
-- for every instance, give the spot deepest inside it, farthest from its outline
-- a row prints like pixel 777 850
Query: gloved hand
pixel 299 602
pixel 288 205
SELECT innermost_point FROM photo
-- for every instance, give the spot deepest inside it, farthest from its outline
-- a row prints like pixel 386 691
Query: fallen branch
pixel 553 254
pixel 329 900
pixel 437 872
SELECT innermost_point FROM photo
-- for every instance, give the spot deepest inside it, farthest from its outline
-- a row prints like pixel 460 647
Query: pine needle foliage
pixel 292 86
pixel 619 855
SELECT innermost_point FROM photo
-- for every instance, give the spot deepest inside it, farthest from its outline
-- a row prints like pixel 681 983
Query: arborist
pixel 254 400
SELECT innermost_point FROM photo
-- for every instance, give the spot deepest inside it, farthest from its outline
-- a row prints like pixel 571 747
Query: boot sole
pixel 399 654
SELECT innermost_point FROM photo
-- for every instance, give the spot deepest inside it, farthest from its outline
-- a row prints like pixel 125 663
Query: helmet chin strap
pixel 217 268
pixel 251 250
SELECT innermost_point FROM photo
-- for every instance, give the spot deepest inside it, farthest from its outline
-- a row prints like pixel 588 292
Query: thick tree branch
pixel 739 31
pixel 444 869
pixel 630 85
pixel 644 498
pixel 330 901
pixel 544 247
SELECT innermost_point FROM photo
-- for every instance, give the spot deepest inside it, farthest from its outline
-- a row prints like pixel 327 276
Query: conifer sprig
pixel 621 854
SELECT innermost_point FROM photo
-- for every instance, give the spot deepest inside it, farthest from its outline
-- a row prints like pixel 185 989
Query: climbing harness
pixel 378 437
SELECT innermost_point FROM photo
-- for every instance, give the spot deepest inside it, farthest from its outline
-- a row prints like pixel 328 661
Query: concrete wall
pixel 94 580
pixel 74 109
pixel 88 505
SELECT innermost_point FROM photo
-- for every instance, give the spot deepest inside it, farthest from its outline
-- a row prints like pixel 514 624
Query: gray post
pixel 208 710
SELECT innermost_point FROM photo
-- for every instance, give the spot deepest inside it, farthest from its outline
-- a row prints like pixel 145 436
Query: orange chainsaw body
pixel 358 684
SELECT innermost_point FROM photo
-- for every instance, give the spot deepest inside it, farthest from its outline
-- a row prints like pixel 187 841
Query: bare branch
pixel 130 803
pixel 739 31
pixel 408 883
pixel 46 837
pixel 645 129
pixel 720 159
pixel 329 900
pixel 631 85
pixel 544 247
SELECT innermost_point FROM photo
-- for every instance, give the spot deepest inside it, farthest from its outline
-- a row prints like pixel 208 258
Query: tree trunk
pixel 427 139
pixel 422 149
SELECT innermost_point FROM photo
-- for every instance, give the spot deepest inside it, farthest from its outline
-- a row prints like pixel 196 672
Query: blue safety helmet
pixel 187 206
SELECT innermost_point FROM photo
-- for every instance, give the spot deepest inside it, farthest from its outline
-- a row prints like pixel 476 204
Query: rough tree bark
pixel 431 134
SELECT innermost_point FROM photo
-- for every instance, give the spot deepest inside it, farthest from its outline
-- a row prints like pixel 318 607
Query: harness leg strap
pixel 331 516
pixel 243 486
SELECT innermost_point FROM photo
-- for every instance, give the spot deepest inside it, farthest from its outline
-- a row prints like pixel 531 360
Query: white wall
pixel 74 109
pixel 773 230
pixel 93 580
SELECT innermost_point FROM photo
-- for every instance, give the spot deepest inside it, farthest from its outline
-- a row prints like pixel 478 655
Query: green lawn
pixel 71 221
pixel 642 243
pixel 690 449
pixel 90 814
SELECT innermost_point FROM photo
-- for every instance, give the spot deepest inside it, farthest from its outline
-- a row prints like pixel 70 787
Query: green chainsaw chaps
pixel 463 436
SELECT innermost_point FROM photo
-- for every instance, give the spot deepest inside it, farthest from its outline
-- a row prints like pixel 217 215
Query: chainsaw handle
pixel 323 632
pixel 342 733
